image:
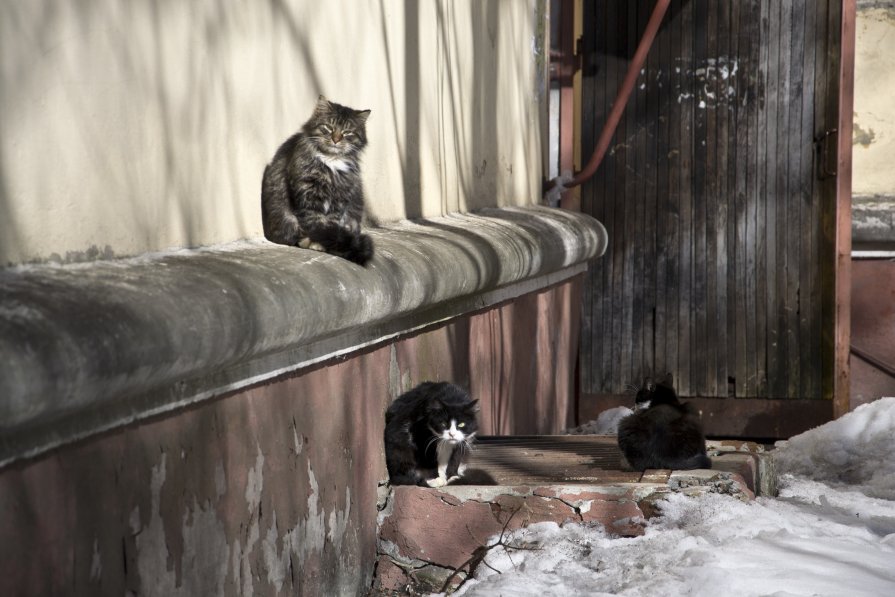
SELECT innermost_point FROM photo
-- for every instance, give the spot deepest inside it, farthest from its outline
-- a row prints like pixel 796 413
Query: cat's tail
pixel 337 240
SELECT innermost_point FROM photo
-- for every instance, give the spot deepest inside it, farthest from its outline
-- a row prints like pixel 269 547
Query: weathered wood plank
pixel 745 195
pixel 720 199
pixel 771 197
pixel 688 89
pixel 635 230
pixel 664 68
pixel 793 258
pixel 780 319
pixel 699 338
pixel 711 199
pixel 591 344
pixel 808 267
pixel 673 358
pixel 652 127
pixel 607 62
pixel 817 197
pixel 803 198
pixel 619 298
pixel 761 201
pixel 629 342
pixel 743 388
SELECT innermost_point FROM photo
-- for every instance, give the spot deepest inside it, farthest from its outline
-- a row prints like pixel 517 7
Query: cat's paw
pixel 437 482
pixel 452 479
pixel 307 243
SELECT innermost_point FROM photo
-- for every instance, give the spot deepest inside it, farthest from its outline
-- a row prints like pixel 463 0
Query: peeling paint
pixel 242 566
pixel 255 484
pixel 203 562
pixel 713 72
pixel 220 480
pixel 275 560
pixel 394 374
pixel 338 522
pixel 205 552
pixel 298 443
pixel 306 538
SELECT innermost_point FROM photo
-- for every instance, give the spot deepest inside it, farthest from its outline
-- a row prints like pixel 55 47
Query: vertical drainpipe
pixel 553 188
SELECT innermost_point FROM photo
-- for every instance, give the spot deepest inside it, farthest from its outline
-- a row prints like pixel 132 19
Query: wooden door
pixel 719 195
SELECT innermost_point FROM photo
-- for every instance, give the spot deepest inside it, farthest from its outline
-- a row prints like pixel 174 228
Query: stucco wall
pixel 137 126
pixel 270 491
pixel 874 129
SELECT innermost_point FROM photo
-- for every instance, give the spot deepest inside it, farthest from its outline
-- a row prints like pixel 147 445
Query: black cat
pixel 428 430
pixel 311 194
pixel 663 433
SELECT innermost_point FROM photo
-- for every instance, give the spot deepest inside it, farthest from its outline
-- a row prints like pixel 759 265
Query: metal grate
pixel 526 459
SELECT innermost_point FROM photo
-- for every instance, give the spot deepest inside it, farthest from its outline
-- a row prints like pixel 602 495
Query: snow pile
pixel 829 533
pixel 857 450
pixel 605 424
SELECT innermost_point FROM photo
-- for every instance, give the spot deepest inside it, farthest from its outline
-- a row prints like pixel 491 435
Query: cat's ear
pixel 362 115
pixel 648 384
pixel 473 406
pixel 322 104
pixel 669 379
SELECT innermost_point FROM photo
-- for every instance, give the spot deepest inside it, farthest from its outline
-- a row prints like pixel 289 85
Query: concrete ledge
pixel 89 347
pixel 873 219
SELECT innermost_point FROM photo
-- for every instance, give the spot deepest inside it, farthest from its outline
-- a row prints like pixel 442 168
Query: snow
pixel 831 532
pixel 605 424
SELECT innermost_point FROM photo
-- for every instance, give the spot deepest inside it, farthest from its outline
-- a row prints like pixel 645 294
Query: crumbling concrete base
pixel 429 538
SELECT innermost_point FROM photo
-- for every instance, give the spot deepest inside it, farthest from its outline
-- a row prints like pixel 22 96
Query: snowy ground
pixel 830 532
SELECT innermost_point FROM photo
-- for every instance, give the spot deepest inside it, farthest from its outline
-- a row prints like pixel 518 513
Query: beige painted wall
pixel 142 125
pixel 874 131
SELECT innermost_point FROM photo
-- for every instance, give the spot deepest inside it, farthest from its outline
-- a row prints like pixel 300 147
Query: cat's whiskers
pixel 433 441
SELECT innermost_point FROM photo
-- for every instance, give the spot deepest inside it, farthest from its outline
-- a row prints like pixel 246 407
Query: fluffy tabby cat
pixel 427 432
pixel 662 432
pixel 311 194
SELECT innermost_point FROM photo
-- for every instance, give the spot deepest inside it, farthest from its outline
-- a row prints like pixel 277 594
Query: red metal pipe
pixel 621 100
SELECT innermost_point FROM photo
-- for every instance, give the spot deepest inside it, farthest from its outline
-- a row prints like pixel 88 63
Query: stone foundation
pixel 428 536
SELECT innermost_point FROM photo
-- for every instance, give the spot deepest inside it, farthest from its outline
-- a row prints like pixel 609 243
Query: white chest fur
pixel 334 163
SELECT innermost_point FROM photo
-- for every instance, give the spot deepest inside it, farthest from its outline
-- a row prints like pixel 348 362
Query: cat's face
pixel 337 130
pixel 651 393
pixel 453 424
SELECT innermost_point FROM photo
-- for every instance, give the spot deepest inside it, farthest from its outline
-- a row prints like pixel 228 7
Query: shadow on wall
pixel 153 137
pixel 160 117
pixel 9 233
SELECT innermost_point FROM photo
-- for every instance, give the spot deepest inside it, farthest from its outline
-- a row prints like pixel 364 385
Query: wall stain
pixel 862 137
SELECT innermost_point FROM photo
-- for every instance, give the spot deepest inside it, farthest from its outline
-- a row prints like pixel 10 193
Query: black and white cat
pixel 662 433
pixel 311 193
pixel 428 430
